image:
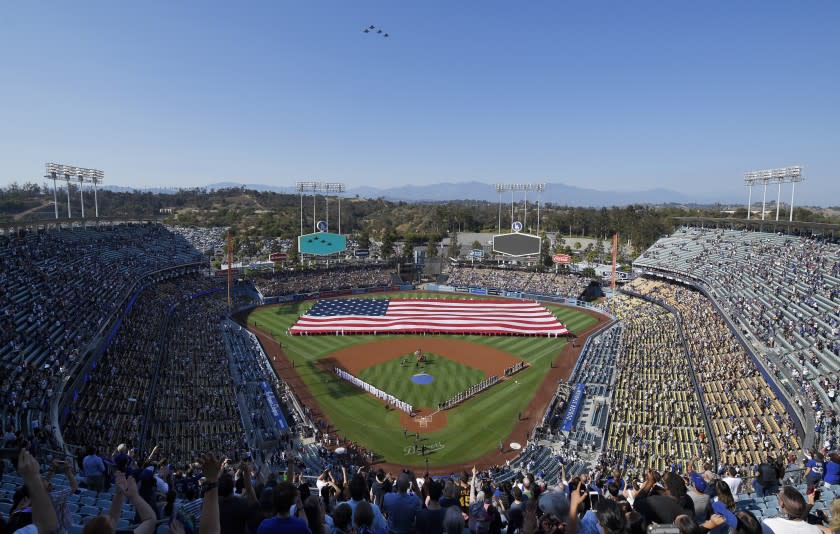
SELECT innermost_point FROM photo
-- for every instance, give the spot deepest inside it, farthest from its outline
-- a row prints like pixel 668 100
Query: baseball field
pixel 455 436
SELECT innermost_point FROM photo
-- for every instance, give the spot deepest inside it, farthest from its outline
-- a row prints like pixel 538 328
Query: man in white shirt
pixel 733 481
pixel 792 504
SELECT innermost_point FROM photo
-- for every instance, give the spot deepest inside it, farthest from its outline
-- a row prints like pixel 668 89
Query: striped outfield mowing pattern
pixel 473 428
pixel 450 378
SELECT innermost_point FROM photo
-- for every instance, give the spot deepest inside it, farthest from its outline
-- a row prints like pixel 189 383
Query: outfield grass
pixel 450 378
pixel 475 426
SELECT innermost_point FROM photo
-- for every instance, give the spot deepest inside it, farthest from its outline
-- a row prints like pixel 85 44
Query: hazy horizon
pixel 613 96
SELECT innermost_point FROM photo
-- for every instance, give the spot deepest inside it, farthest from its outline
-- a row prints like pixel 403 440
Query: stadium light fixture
pixel 81 177
pixel 315 188
pixel 779 176
pixel 96 177
pixel 56 171
pixel 524 188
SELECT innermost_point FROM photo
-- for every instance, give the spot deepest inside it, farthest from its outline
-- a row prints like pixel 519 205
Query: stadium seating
pixel 58 290
pixel 655 411
pixel 289 282
pixel 181 374
pixel 550 283
pixel 748 420
pixel 782 291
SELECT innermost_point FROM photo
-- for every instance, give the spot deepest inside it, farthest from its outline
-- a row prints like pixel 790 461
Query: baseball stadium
pixel 332 267
pixel 520 372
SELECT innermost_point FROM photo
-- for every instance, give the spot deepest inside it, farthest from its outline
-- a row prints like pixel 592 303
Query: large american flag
pixel 413 316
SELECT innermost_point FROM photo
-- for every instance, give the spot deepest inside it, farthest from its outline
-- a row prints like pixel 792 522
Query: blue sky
pixel 610 95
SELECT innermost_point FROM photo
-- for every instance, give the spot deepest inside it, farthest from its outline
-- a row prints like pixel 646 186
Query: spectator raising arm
pixel 248 486
pixel 472 487
pixel 210 524
pixel 128 487
pixel 43 513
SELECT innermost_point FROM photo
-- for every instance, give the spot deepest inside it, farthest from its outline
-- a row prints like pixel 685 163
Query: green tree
pixel 293 256
pixel 387 248
pixel 364 239
pixel 431 249
pixel 545 251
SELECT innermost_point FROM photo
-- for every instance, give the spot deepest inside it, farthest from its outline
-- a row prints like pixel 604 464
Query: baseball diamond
pixel 468 431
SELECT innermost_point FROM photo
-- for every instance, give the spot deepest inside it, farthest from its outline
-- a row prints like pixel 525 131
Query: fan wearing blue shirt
pixel 401 507
pixel 285 495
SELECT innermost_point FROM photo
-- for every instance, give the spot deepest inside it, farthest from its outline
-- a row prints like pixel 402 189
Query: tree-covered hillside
pixel 254 215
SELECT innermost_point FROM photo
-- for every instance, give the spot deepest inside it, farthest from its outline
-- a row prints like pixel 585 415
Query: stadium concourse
pixel 118 358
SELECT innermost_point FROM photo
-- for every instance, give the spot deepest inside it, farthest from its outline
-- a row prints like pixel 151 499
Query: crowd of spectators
pixel 655 412
pixel 748 420
pixel 58 289
pixel 216 494
pixel 543 283
pixel 290 282
pixel 110 408
pixel 255 382
pixel 783 292
pixel 170 374
pixel 195 406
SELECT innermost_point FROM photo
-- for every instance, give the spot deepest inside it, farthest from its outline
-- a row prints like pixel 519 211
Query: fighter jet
pixel 379 31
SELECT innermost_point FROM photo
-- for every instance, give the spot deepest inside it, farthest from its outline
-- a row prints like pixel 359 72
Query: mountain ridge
pixel 555 193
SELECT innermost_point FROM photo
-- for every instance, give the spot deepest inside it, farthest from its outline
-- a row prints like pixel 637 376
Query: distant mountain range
pixel 555 193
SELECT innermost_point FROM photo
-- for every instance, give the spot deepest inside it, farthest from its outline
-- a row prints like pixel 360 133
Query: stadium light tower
pixel 67 179
pixel 96 177
pixel 750 179
pixel 52 174
pixel 81 176
pixel 319 187
pixel 56 171
pixel 779 176
pixel 301 187
pixel 502 188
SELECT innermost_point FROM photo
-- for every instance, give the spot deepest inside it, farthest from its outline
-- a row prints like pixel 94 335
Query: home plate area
pixel 424 377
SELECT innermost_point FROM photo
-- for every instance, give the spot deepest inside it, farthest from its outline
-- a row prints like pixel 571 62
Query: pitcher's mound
pixel 422 378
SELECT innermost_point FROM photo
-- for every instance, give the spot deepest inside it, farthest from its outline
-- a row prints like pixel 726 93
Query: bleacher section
pixel 550 283
pixel 58 290
pixel 110 407
pixel 782 291
pixel 194 403
pixel 655 410
pixel 288 282
pixel 747 419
